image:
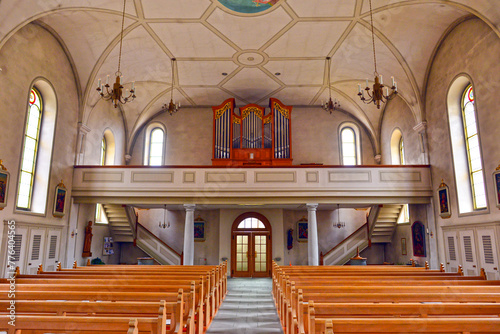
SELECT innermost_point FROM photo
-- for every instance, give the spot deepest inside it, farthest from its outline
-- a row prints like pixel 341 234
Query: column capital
pixel 84 128
pixel 311 206
pixel 189 207
pixel 420 127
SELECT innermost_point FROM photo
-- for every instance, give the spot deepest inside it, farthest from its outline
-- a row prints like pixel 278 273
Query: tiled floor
pixel 247 309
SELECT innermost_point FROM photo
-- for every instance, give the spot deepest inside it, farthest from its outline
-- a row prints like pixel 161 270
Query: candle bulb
pixel 386 91
pixel 107 80
pixel 133 85
pixel 381 80
pixel 396 86
pixel 359 88
pixel 121 77
pixel 366 83
pixel 99 83
pixel 392 78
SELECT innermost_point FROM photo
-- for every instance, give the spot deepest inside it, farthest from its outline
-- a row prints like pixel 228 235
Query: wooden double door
pixel 251 254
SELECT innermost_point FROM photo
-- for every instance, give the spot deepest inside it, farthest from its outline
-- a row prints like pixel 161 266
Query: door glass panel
pixel 242 253
pixel 260 253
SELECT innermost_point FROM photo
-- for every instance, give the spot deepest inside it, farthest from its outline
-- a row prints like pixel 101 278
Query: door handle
pixel 29 264
pixel 447 263
pixel 495 268
pixel 474 266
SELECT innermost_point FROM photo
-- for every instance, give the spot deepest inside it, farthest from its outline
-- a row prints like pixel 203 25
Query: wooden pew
pixel 113 296
pixel 407 325
pixel 90 325
pixel 168 315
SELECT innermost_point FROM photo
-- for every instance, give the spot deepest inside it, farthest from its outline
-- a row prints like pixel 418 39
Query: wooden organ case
pixel 252 137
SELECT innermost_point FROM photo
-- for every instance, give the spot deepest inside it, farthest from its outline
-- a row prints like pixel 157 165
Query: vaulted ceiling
pixel 291 38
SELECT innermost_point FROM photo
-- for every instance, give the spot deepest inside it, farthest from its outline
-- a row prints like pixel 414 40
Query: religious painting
pixel 199 230
pixel 60 200
pixel 403 246
pixel 4 186
pixel 418 238
pixel 302 228
pixel 444 201
pixel 248 6
pixel 496 178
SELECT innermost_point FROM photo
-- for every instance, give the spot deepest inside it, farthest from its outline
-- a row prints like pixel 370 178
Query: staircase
pixel 119 223
pixel 381 225
pixel 123 225
pixel 384 225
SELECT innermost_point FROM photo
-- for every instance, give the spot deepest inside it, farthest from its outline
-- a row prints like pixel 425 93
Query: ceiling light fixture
pixel 377 95
pixel 330 105
pixel 339 224
pixel 116 93
pixel 172 108
pixel 164 225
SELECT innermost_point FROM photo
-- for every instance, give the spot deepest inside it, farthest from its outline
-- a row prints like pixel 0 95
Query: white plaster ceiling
pixel 293 39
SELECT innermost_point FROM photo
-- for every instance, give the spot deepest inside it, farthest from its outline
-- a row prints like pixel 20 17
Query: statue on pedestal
pixel 88 241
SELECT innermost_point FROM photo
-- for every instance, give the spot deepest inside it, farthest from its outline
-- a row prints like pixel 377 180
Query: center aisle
pixel 247 308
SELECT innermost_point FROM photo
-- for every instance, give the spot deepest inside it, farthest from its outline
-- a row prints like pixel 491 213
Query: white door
pixel 35 249
pixel 468 248
pixel 52 251
pixel 452 254
pixel 17 258
pixel 488 252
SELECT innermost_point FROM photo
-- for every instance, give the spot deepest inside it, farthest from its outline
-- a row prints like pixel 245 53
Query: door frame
pixel 251 232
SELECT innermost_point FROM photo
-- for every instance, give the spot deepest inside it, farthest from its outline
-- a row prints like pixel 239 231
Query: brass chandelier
pixel 330 105
pixel 172 107
pixel 376 95
pixel 339 224
pixel 116 94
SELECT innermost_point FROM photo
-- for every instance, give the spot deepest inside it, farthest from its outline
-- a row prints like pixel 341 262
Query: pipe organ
pixel 253 135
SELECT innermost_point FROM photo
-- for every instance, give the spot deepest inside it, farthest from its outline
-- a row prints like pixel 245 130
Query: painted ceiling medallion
pixel 248 6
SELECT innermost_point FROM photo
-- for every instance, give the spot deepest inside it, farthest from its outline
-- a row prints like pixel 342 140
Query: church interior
pixel 302 129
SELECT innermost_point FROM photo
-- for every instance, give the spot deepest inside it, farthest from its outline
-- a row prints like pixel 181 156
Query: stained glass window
pixel 30 148
pixel 156 147
pixel 348 138
pixel 473 148
pixel 102 161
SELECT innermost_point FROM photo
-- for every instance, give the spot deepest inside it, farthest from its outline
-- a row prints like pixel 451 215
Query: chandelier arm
pixel 172 90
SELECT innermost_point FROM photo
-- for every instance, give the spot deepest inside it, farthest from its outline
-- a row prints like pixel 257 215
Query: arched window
pixel 250 222
pixel 30 148
pixel 103 151
pixel 465 142
pixel 36 155
pixel 401 151
pixel 473 150
pixel 154 145
pixel 349 147
pixel 397 148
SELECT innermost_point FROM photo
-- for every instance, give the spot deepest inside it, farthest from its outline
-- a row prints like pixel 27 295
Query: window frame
pixel 38 94
pixel 153 130
pixel 357 142
pixel 147 143
pixel 467 148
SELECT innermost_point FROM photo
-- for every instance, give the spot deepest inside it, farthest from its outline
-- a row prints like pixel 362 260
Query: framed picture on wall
pixel 403 246
pixel 4 185
pixel 199 229
pixel 496 179
pixel 302 228
pixel 418 239
pixel 59 200
pixel 444 200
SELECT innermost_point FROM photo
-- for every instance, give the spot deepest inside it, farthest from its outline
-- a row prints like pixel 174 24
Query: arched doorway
pixel 251 246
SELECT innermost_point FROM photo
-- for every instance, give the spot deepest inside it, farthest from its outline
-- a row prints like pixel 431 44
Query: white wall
pixel 29 54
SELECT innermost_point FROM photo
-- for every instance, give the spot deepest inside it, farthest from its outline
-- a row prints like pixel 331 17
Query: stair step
pixel 383 229
pixel 116 214
pixel 123 239
pixel 118 221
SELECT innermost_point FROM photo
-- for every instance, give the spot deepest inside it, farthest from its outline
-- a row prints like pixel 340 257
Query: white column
pixel 189 235
pixel 312 235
